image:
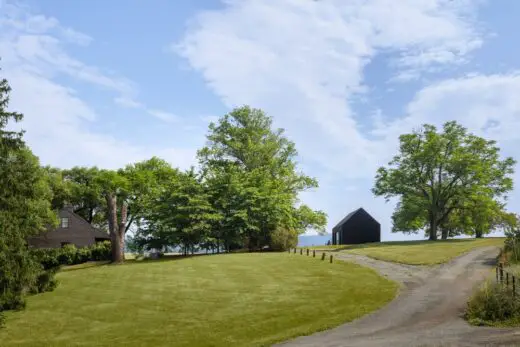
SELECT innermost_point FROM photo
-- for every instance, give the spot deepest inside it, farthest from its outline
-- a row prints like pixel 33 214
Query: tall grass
pixel 494 304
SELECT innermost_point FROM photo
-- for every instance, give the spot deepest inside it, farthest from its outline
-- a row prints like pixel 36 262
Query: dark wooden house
pixel 357 227
pixel 72 230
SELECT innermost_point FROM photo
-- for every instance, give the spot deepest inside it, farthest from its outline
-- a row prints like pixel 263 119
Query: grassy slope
pixel 220 300
pixel 422 252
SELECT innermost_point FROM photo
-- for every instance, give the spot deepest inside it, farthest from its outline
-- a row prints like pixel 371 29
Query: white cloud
pixel 488 105
pixel 76 37
pixel 209 119
pixel 164 116
pixel 127 102
pixel 303 61
pixel 56 118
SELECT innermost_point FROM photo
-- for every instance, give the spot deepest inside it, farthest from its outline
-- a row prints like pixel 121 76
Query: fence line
pixel 323 255
pixel 510 279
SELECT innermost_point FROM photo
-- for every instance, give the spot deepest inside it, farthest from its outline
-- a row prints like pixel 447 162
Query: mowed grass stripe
pixel 219 300
pixel 422 252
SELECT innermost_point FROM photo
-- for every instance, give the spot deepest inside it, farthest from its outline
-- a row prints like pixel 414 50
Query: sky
pixel 109 83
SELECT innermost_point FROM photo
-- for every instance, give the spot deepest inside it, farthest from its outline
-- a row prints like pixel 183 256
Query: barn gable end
pixel 357 227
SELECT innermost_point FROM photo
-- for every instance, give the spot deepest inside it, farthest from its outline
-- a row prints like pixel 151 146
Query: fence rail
pixel 323 255
pixel 505 278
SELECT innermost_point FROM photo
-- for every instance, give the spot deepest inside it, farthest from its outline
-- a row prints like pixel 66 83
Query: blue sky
pixel 111 82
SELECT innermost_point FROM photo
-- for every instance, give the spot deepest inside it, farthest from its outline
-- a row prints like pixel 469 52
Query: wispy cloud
pixel 303 62
pixel 127 102
pixel 34 55
pixel 164 116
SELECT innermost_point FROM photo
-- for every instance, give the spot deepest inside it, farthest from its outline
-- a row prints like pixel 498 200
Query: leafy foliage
pixel 436 174
pixel 70 255
pixel 493 303
pixel 83 192
pixel 512 231
pixel 25 209
pixel 250 171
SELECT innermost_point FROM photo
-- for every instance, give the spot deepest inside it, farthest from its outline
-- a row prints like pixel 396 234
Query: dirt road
pixel 427 312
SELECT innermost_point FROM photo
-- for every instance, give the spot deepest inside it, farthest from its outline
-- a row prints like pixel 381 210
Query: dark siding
pixel 359 228
pixel 79 233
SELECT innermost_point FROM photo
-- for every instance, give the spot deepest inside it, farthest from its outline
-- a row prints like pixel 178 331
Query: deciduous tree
pixel 248 160
pixel 435 173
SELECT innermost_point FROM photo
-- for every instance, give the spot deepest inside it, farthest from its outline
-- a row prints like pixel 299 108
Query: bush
pixel 45 282
pixel 83 255
pixel 492 304
pixel 18 272
pixel 101 251
pixel 51 258
pixel 67 255
pixel 48 257
pixel 282 239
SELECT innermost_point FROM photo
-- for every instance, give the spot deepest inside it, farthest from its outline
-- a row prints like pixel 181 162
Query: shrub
pixel 47 257
pixel 45 281
pixel 18 272
pixel 83 255
pixel 282 239
pixel 67 255
pixel 493 303
pixel 101 251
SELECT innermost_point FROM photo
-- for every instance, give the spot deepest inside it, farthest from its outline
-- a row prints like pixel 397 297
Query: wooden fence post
pixel 497 272
pixel 314 253
pixel 507 279
pixel 301 251
pixel 323 256
pixel 294 250
pixel 501 273
pixel 307 252
pixel 331 258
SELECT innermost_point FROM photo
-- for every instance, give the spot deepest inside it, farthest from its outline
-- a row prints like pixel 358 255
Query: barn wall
pixel 360 228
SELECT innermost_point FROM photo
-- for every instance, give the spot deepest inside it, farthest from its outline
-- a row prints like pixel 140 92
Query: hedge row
pixel 52 258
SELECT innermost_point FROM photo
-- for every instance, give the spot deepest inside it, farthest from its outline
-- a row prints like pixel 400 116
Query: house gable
pixel 77 231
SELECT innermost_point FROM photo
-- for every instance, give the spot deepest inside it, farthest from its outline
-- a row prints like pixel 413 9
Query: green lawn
pixel 217 300
pixel 421 252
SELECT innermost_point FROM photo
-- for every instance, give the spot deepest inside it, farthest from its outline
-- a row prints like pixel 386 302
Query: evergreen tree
pixel 25 208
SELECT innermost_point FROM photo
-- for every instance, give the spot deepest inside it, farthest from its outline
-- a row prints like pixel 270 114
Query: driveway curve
pixel 427 312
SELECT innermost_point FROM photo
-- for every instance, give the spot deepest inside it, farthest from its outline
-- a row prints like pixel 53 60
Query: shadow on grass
pixel 83 266
pixel 175 257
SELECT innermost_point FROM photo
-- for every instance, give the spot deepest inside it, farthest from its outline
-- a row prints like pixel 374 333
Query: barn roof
pixel 350 215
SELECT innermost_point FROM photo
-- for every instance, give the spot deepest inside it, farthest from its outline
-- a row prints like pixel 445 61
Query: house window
pixel 64 222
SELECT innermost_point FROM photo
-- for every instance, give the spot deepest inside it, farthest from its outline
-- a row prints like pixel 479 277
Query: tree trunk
pixel 478 233
pixel 445 233
pixel 117 235
pixel 122 230
pixel 90 215
pixel 433 228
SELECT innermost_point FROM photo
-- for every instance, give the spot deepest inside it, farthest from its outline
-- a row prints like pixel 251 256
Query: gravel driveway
pixel 427 312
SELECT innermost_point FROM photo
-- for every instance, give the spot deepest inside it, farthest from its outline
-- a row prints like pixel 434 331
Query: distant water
pixel 313 240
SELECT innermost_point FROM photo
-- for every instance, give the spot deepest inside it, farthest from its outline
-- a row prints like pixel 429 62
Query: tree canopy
pixel 252 175
pixel 25 208
pixel 443 178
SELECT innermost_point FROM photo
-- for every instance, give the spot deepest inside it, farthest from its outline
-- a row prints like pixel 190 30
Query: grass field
pixel 421 252
pixel 217 300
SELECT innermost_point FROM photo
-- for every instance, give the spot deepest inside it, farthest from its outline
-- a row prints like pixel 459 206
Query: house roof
pixel 95 231
pixel 351 214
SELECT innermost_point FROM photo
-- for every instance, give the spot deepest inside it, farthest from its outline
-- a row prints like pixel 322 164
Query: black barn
pixel 357 227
